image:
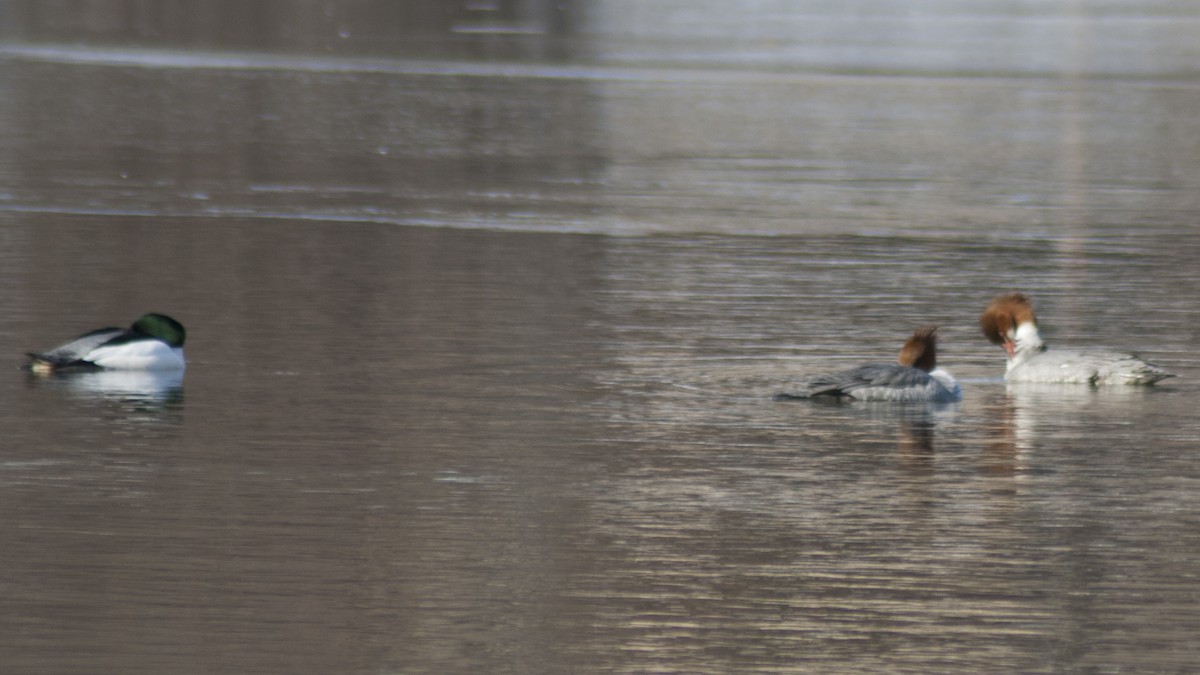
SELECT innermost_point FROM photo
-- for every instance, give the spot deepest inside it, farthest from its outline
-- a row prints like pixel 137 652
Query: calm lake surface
pixel 486 305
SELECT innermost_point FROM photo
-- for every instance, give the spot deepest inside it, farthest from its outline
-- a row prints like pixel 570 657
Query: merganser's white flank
pixel 153 342
pixel 915 378
pixel 1009 321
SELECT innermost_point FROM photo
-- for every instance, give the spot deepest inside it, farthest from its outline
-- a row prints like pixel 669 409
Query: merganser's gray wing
pixel 869 376
pixel 1093 366
pixel 72 353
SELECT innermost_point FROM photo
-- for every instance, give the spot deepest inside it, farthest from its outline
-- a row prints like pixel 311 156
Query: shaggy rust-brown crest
pixel 920 350
pixel 1004 314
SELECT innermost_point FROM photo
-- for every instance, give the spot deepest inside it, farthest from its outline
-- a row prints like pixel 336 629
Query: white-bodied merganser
pixel 915 378
pixel 153 342
pixel 1009 321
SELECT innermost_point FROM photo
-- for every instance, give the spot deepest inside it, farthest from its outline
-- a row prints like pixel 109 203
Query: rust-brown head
pixel 920 350
pixel 1004 316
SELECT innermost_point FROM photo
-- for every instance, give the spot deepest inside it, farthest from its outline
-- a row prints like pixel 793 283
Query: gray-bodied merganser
pixel 1009 321
pixel 915 377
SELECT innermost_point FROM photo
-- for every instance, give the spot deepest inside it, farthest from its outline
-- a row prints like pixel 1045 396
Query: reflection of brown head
pixel 920 351
pixel 1000 319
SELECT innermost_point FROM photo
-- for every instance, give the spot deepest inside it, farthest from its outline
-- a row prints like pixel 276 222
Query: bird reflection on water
pixel 143 396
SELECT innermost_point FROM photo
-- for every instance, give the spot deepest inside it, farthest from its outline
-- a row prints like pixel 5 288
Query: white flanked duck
pixel 1009 321
pixel 915 377
pixel 153 342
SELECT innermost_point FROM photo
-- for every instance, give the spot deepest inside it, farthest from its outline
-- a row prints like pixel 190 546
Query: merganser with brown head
pixel 915 377
pixel 1010 322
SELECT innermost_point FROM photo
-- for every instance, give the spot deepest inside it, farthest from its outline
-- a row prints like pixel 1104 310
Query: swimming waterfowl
pixel 153 342
pixel 1009 321
pixel 915 377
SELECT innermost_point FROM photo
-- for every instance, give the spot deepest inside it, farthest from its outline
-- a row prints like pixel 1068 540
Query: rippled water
pixel 481 354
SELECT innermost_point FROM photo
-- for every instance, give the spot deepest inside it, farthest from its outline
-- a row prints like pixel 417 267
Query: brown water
pixel 485 314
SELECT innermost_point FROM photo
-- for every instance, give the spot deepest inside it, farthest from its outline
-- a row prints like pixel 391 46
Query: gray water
pixel 486 305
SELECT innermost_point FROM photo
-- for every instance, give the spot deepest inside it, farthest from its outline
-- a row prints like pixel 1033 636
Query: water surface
pixel 485 315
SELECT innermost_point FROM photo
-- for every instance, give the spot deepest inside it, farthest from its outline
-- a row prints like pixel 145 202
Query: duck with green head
pixel 153 342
